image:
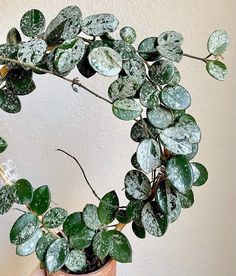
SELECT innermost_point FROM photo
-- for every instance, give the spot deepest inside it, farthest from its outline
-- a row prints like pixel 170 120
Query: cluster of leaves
pixel 148 83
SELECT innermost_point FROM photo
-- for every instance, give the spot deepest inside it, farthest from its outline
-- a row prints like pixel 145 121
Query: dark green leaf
pixel 41 200
pixel 83 239
pixel 134 162
pixel 176 97
pixel 3 144
pixel 23 191
pixel 128 34
pixel 32 23
pixel 76 260
pixel 13 37
pixel 218 42
pixel 126 109
pixel 7 51
pixel 122 217
pixel 160 117
pixel 200 174
pixel 28 247
pixel 134 210
pixel 180 173
pixel 137 185
pixel 187 199
pixel 43 244
pixel 101 245
pixel 6 199
pixel 154 220
pixel 180 138
pixel 105 61
pixel 24 228
pixel 217 69
pixel 99 24
pixel 9 101
pixel 56 255
pixel 176 78
pixel 185 118
pixel 90 216
pixel 138 230
pixel 85 68
pixel 107 207
pixel 120 249
pixel 148 49
pixel 161 72
pixel 54 217
pixel 149 155
pixel 73 224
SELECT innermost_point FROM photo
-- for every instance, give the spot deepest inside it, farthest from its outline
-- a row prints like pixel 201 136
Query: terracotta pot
pixel 109 269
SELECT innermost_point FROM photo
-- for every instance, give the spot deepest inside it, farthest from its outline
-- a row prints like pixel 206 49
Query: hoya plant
pixel 148 93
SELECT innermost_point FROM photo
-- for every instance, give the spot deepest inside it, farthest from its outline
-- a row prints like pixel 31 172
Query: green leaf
pixel 149 95
pixel 180 138
pixel 3 145
pixel 73 224
pixel 24 228
pixel 83 239
pixel 134 162
pixel 6 199
pixel 68 55
pixel 128 34
pixel 32 23
pixel 168 200
pixel 147 49
pixel 160 117
pixel 107 207
pixel 149 155
pixel 43 244
pixel 161 72
pixel 13 37
pixel 28 247
pixel 55 217
pixel 31 52
pixel 135 68
pixel 176 97
pixel 101 244
pixel 180 173
pixel 169 38
pixel 122 88
pixel 138 230
pixel 125 50
pixel 200 174
pixel 23 191
pixel 176 78
pixel 187 199
pixel 137 185
pixel 90 216
pixel 20 81
pixel 122 217
pixel 41 200
pixel 56 255
pixel 185 118
pixel 137 132
pixel 134 209
pixel 84 67
pixel 120 249
pixel 171 52
pixel 76 260
pixel 193 153
pixel 99 24
pixel 7 51
pixel 126 109
pixel 217 69
pixel 218 42
pixel 105 61
pixel 10 102
pixel 154 220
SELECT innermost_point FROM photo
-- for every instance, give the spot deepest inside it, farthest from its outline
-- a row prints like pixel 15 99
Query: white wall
pixel 203 241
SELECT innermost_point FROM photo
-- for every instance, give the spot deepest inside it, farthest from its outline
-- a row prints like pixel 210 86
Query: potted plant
pixel 147 91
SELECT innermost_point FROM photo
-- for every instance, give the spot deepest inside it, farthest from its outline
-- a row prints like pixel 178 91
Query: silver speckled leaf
pixel 161 72
pixel 149 155
pixel 128 34
pixel 217 69
pixel 99 24
pixel 153 219
pixel 160 117
pixel 28 247
pixel 137 185
pixel 68 55
pixel 105 61
pixel 187 199
pixel 218 42
pixel 9 101
pixel 180 138
pixel 126 109
pixel 32 23
pixel 90 216
pixel 55 217
pixel 176 97
pixel 147 49
pixel 171 52
pixel 125 50
pixel 31 52
pixel 6 199
pixel 169 38
pixel 43 244
pixel 149 95
pixel 76 260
